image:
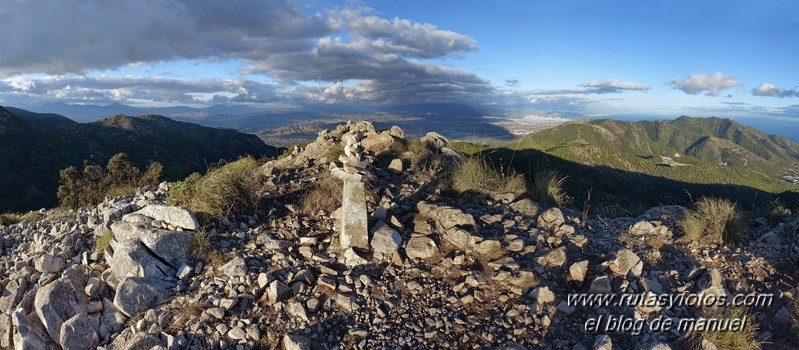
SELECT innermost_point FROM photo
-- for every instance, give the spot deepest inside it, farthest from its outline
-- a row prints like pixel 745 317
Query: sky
pixel 555 58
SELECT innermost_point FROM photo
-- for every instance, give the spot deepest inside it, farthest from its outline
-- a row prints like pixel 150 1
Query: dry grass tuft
pixel 712 221
pixel 325 196
pixel 728 340
pixel 547 188
pixel 223 191
pixel 475 174
pixel 103 242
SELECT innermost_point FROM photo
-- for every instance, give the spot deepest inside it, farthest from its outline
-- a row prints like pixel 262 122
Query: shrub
pixel 9 219
pixel 777 212
pixel 88 187
pixel 475 174
pixel 103 242
pixel 420 156
pixel 712 220
pixel 732 340
pixel 223 191
pixel 547 188
pixel 326 195
pixel 202 250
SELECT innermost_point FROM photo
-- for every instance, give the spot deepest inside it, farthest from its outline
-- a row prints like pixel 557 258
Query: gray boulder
pixel 551 219
pixel 445 216
pixel 138 294
pixel 132 258
pixel 526 207
pixel 79 332
pixel 55 303
pixel 421 247
pixel 175 216
pixel 29 332
pixel 385 239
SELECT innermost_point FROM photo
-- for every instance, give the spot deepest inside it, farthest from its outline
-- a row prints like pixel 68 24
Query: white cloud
pixel 712 84
pixel 768 89
pixel 604 86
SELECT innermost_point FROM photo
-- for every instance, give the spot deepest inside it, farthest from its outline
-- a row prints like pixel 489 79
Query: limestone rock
pixel 526 207
pixel 600 285
pixel 79 332
pixel 421 247
pixel 174 216
pixel 235 268
pixel 298 342
pixel 139 294
pixel 278 292
pixel 396 165
pixel 447 217
pixel 578 270
pixel 397 132
pixel 626 262
pixel 30 333
pixel 434 141
pixel 551 219
pixel 55 303
pixel 603 342
pixel 385 239
pixel 48 263
pixel 642 228
pixel 542 295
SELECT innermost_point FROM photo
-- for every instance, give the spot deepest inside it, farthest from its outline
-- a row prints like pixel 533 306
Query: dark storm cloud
pixel 385 59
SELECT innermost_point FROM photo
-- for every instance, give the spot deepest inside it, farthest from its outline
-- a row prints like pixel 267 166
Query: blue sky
pixel 565 58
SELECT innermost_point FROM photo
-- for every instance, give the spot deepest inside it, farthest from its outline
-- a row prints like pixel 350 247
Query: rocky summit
pixel 494 271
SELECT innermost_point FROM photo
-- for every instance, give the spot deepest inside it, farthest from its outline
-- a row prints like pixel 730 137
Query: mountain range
pixel 646 163
pixel 36 146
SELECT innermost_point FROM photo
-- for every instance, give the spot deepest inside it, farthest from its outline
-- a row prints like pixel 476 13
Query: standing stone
pixel 354 220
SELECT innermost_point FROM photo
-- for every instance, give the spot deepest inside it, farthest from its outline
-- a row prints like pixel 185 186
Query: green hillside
pixel 35 147
pixel 638 164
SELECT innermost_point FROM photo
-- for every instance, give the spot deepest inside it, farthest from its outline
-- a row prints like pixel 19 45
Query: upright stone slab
pixel 354 229
pixel 354 221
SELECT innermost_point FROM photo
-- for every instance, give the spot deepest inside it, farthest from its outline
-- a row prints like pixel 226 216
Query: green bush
pixel 223 191
pixel 475 174
pixel 103 242
pixel 777 212
pixel 547 188
pixel 713 221
pixel 88 187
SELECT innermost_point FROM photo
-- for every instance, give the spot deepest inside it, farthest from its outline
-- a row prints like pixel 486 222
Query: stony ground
pixel 490 271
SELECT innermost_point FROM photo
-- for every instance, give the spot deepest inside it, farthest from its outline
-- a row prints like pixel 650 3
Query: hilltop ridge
pixel 36 146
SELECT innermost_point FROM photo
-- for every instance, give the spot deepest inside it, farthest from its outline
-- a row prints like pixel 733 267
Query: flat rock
pixel 236 267
pixel 174 216
pixel 626 262
pixel 642 228
pixel 298 342
pixel 526 207
pixel 446 216
pixel 139 294
pixel 551 219
pixel 578 270
pixel 421 247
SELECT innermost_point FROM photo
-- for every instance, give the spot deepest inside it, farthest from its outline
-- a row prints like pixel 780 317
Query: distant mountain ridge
pixel 36 146
pixel 659 162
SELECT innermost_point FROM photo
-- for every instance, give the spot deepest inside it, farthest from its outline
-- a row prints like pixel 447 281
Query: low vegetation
pixel 547 188
pixel 777 212
pixel 120 177
pixel 729 339
pixel 325 196
pixel 476 174
pixel 102 242
pixel 224 191
pixel 712 221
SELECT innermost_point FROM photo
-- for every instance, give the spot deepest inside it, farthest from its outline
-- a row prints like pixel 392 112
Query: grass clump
pixel 743 339
pixel 325 196
pixel 8 219
pixel 777 212
pixel 102 242
pixel 223 191
pixel 475 174
pixel 713 221
pixel 420 156
pixel 547 188
pixel 202 250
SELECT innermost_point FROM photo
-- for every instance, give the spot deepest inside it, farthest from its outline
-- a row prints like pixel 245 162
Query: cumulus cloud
pixel 768 89
pixel 604 86
pixel 105 89
pixel 388 59
pixel 712 84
